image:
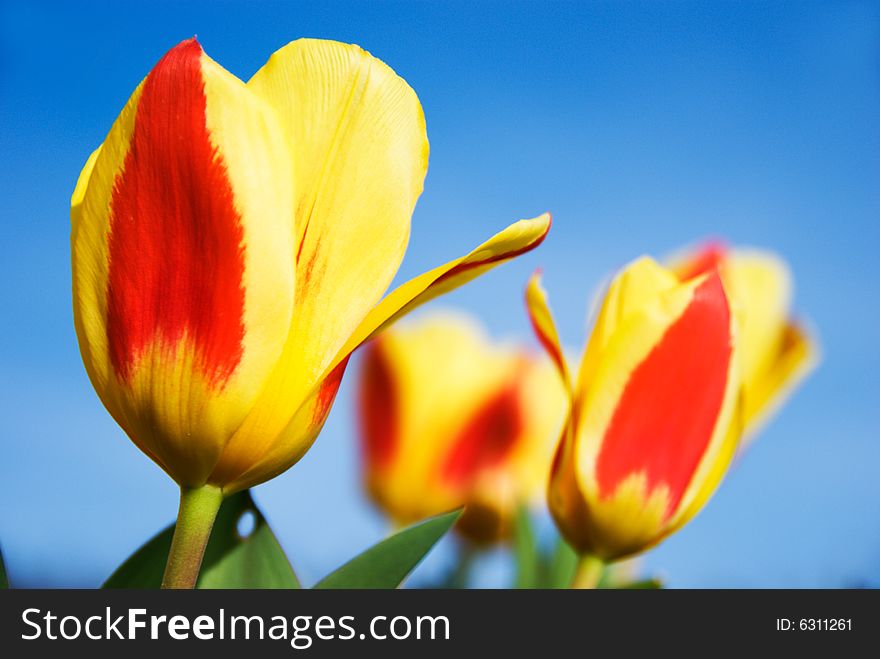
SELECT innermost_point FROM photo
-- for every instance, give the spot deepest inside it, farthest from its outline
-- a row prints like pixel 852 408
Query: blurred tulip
pixel 231 241
pixel 449 418
pixel 776 352
pixel 654 417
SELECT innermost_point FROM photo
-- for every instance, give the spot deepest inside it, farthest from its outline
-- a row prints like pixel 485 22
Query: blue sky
pixel 642 127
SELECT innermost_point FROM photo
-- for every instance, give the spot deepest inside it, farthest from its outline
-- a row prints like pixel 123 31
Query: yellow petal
pixel 776 353
pixel 539 312
pixel 760 287
pixel 361 153
pixel 182 241
pixel 796 356
pixel 564 498
pixel 79 192
pixel 280 429
pixel 518 238
pixel 240 466
pixel 636 285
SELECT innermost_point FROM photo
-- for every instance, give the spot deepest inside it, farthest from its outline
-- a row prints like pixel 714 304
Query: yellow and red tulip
pixel 449 418
pixel 654 417
pixel 231 242
pixel 776 351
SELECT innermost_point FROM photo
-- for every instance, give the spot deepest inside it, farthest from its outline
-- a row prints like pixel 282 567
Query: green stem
pixel 195 518
pixel 589 572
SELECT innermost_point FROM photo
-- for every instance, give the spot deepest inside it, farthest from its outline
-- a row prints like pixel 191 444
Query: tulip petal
pixel 538 308
pixel 655 425
pixel 669 407
pixel 183 276
pixel 518 238
pixel 360 155
pixel 636 285
pixel 360 150
pixel 442 374
pixel 776 353
pixel 564 498
pixel 271 448
pixel 761 291
pixel 796 356
pixel 379 398
pixel 486 439
pixel 79 192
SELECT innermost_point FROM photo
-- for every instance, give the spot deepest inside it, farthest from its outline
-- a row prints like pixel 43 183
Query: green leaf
pixel 563 565
pixel 4 581
pixel 387 564
pixel 231 561
pixel 644 584
pixel 525 550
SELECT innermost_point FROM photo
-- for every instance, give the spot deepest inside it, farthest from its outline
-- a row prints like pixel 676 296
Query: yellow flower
pixel 231 242
pixel 449 418
pixel 654 417
pixel 777 352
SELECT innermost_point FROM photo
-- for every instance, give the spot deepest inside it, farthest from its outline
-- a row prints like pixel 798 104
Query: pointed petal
pixel 280 429
pixel 538 308
pixel 564 497
pixel 518 238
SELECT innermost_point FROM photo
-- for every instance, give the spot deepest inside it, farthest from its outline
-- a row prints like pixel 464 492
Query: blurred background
pixel 641 126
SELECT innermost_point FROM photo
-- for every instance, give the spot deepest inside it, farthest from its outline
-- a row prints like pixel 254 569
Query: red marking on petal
pixel 176 257
pixel 302 241
pixel 377 407
pixel 464 267
pixel 665 418
pixel 707 258
pixel 327 392
pixel 486 440
pixel 305 273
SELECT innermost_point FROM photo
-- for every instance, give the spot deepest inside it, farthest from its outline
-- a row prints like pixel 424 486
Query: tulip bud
pixel 777 352
pixel 654 416
pixel 231 242
pixel 448 418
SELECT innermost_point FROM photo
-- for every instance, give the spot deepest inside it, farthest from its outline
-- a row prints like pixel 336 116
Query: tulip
pixel 654 416
pixel 449 418
pixel 231 242
pixel 777 352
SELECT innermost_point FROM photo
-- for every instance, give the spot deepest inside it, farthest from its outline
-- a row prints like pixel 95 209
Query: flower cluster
pixel 231 245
